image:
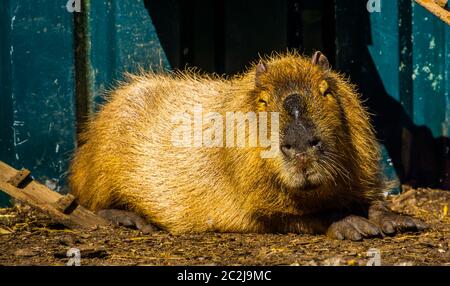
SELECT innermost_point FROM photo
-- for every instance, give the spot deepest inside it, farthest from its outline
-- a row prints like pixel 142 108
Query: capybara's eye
pixel 324 87
pixel 262 102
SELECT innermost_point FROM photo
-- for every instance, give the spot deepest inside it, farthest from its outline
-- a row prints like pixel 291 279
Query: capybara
pixel 319 174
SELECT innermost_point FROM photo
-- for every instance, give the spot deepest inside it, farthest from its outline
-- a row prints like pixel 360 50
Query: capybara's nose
pixel 288 151
pixel 299 147
pixel 315 143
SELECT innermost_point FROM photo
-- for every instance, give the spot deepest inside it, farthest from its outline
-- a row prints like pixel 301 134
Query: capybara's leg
pixel 391 223
pixel 127 219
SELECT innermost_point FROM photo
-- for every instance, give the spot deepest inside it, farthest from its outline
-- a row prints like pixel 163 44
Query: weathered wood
pixel 62 209
pixel 66 204
pixel 437 8
pixel 18 179
pixel 441 3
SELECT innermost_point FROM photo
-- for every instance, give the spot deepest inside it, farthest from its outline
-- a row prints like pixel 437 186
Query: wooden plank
pixel 19 178
pixel 437 8
pixel 62 209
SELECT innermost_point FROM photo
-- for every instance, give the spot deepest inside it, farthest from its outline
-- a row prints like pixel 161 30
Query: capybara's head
pixel 313 102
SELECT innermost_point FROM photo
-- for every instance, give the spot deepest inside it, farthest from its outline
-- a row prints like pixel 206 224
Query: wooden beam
pixel 437 8
pixel 62 209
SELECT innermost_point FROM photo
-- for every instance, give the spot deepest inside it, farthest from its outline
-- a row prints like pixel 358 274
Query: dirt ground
pixel 30 238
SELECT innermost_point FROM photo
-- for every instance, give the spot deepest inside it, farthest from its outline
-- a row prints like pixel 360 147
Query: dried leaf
pixel 4 231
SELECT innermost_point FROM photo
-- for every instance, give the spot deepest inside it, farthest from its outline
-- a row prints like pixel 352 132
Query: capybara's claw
pixel 353 228
pixel 391 223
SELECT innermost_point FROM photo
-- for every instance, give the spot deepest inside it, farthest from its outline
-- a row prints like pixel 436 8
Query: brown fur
pixel 129 162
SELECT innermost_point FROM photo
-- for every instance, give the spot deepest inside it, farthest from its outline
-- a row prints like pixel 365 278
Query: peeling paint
pixel 432 43
pixel 13 19
pixel 404 50
pixel 426 69
pixel 416 73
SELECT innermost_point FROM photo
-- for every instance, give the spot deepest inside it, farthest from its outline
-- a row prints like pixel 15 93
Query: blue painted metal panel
pixel 37 130
pixel 383 50
pixel 122 38
pixel 37 87
pixel 399 59
pixel 430 54
pixel 6 113
pixel 431 82
pixel 384 45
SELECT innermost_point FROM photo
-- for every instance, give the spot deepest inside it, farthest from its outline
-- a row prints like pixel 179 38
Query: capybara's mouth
pixel 310 185
pixel 306 178
pixel 305 166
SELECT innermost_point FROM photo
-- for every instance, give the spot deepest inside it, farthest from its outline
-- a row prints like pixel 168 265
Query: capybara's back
pixel 128 160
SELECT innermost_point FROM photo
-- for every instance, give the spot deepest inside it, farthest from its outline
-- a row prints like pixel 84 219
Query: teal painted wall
pixel 431 84
pixel 431 56
pixel 122 38
pixel 399 58
pixel 37 75
pixel 37 79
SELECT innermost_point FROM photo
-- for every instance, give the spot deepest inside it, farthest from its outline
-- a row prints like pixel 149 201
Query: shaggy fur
pixel 128 160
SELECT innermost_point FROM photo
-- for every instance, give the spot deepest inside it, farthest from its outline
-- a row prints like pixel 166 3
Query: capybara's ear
pixel 321 60
pixel 261 68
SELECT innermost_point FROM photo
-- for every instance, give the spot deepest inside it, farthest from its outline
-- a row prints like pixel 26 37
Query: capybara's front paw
pixel 391 223
pixel 353 228
pixel 127 219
